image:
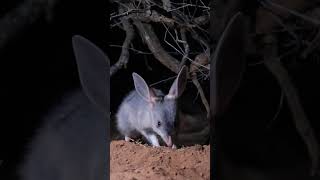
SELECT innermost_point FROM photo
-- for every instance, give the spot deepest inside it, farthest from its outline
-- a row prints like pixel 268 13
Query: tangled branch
pixel 183 31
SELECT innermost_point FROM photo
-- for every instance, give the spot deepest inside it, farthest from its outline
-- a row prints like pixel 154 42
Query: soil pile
pixel 134 161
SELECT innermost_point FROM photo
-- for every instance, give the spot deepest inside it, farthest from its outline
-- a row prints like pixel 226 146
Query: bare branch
pixel 203 60
pixel 314 44
pixel 278 110
pixel 198 38
pixel 302 124
pixel 124 57
pixel 201 20
pixel 186 47
pixel 202 95
pixel 166 5
pixel 150 38
pixel 153 16
pixel 295 13
pixel 288 29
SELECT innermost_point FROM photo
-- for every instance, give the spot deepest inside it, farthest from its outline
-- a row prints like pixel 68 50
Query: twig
pixel 279 21
pixel 278 110
pixel 166 5
pixel 186 47
pixel 200 60
pixel 150 38
pixel 190 5
pixel 302 124
pixel 201 20
pixel 152 16
pixel 202 95
pixel 126 13
pixel 124 57
pixel 164 80
pixel 180 51
pixel 295 13
pixel 314 44
pixel 198 38
pixel 132 49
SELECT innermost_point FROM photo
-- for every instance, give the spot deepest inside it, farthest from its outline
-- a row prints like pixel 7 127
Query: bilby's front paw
pixel 174 146
pixel 128 139
pixel 155 146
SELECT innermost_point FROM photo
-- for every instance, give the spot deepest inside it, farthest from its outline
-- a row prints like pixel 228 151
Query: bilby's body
pixel 149 112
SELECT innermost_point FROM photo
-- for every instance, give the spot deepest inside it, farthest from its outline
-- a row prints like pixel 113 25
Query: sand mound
pixel 134 161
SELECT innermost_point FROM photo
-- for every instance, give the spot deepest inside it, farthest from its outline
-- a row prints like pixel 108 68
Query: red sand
pixel 133 161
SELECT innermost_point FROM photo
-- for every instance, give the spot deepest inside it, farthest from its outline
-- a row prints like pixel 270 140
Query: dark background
pixel 38 66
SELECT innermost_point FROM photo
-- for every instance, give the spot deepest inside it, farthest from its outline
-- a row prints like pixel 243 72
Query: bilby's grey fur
pixel 73 143
pixel 149 112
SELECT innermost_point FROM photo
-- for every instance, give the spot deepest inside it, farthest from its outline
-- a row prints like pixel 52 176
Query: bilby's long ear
pixel 143 89
pixel 228 63
pixel 93 67
pixel 178 85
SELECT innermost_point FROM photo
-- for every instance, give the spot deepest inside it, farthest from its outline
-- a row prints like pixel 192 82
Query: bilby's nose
pixel 169 141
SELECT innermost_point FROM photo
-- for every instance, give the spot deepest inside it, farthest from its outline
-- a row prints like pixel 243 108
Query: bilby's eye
pixel 159 124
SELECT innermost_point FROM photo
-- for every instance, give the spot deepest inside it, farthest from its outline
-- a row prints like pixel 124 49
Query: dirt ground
pixel 134 161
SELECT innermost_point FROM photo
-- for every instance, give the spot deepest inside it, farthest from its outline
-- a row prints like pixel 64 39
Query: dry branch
pixel 300 119
pixel 141 13
pixel 186 47
pixel 124 57
pixel 290 11
pixel 153 16
pixel 150 38
pixel 202 95
pixel 314 44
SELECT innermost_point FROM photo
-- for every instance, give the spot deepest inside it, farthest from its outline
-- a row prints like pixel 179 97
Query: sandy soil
pixel 134 161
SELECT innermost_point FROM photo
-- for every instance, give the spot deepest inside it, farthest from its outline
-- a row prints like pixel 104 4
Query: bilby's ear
pixel 93 67
pixel 178 85
pixel 228 63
